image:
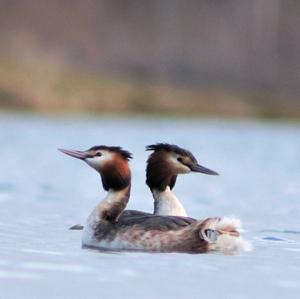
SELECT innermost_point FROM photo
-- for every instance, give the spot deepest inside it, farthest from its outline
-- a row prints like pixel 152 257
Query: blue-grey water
pixel 43 192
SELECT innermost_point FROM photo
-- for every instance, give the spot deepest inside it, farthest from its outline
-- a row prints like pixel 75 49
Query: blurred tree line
pixel 239 49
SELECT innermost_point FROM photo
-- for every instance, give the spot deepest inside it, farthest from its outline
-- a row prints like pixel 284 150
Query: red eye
pixel 98 154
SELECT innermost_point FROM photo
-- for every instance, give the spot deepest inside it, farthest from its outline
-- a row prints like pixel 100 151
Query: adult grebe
pixel 105 229
pixel 163 165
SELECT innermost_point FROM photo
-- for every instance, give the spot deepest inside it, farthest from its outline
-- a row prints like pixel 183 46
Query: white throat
pixel 166 203
pixel 112 199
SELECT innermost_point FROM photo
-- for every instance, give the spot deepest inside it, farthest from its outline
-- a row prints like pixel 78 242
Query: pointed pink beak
pixel 76 154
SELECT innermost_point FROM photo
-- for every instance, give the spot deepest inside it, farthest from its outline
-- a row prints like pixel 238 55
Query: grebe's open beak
pixel 202 169
pixel 76 154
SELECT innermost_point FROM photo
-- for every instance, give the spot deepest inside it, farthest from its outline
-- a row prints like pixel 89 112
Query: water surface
pixel 43 192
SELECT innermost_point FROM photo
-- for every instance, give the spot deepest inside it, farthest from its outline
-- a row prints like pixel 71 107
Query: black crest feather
pixel 117 149
pixel 171 148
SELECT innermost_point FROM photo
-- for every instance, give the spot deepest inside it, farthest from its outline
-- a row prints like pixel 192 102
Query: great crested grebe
pixel 163 166
pixel 105 229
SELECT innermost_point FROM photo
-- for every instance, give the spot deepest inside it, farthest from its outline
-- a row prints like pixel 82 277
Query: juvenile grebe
pixel 105 229
pixel 163 166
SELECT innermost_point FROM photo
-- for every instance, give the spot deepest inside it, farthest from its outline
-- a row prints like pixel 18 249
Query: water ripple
pixel 10 274
pixel 273 239
pixel 281 231
pixel 46 252
pixel 73 268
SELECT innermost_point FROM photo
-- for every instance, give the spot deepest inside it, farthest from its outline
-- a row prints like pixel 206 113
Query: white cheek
pixel 183 169
pixel 98 161
pixel 95 162
pixel 179 166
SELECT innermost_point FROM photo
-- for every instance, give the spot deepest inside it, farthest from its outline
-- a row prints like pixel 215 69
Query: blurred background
pixel 209 57
pixel 90 72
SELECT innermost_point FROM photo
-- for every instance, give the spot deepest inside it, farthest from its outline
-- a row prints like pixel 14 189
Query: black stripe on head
pixel 116 149
pixel 171 148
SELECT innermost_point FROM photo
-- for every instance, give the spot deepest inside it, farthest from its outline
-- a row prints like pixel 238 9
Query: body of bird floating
pixel 109 228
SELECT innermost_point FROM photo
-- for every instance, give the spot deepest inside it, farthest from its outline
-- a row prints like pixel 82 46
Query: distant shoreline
pixel 48 88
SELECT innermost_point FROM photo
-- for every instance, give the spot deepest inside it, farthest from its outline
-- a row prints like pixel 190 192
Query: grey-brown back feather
pixel 153 222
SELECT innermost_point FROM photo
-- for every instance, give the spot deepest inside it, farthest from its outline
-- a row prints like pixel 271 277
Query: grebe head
pixel 111 162
pixel 167 161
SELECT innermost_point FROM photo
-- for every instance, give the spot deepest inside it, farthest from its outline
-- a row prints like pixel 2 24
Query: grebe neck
pixel 116 180
pixel 166 203
pixel 105 214
pixel 110 208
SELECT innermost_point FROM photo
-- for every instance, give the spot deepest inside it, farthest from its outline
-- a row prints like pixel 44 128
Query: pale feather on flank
pixel 228 238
